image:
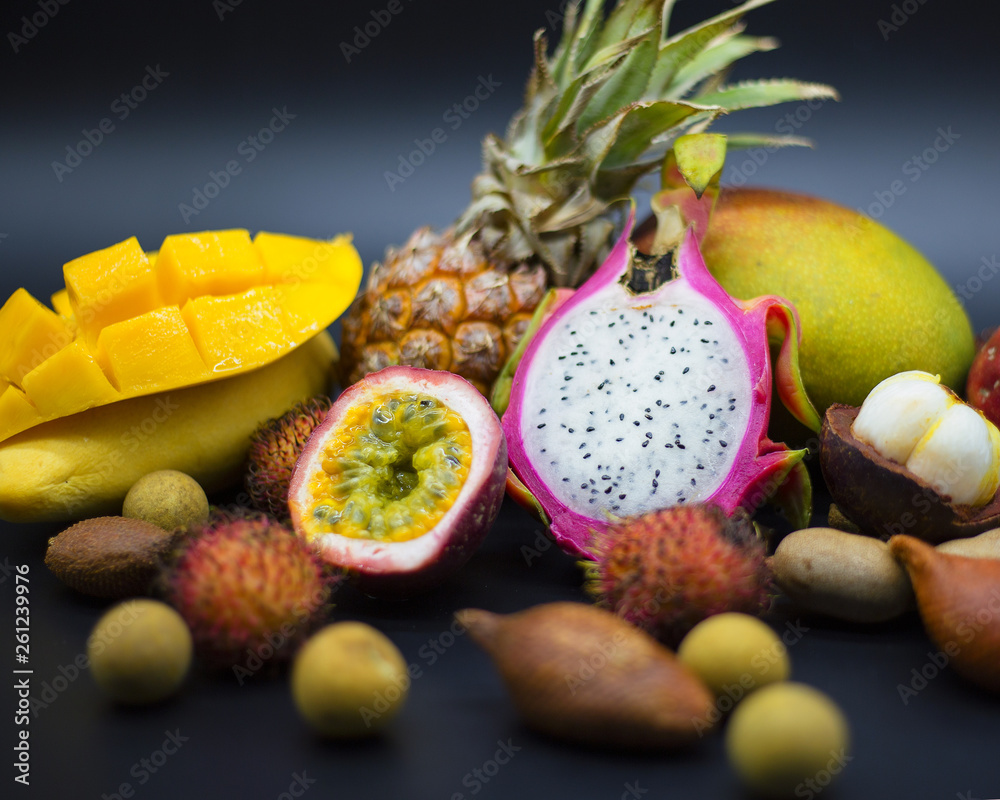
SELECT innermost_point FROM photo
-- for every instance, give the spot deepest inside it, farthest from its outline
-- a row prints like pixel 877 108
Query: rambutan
pixel 274 449
pixel 249 588
pixel 667 570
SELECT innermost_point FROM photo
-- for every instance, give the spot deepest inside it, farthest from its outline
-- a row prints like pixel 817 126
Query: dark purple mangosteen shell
pixel 884 498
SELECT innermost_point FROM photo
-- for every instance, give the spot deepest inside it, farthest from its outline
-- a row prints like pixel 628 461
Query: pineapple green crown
pixel 601 112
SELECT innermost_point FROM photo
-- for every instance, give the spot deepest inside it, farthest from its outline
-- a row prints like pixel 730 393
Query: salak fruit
pixel 627 401
pixel 584 675
pixel 402 480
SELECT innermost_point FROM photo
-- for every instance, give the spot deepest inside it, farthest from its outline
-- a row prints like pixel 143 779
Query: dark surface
pixel 323 174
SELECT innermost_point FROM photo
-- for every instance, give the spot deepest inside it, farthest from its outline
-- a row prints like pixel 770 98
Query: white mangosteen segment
pixel 743 473
pixel 387 567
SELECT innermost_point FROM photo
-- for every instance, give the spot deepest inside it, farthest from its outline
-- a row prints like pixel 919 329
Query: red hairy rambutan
pixel 249 588
pixel 667 570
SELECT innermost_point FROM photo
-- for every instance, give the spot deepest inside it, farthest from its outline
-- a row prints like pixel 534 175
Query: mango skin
pixel 870 304
pixel 83 465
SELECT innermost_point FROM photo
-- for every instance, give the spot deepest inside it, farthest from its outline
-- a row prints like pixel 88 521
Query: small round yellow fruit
pixel 168 498
pixel 787 739
pixel 735 654
pixel 349 680
pixel 139 651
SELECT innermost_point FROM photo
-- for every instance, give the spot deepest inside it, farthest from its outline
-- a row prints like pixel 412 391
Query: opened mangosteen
pixel 913 459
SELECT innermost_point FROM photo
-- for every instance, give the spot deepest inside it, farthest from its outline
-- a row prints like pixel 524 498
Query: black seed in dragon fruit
pixel 626 401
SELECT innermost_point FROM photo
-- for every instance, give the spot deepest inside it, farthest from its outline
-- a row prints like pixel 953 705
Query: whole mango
pixel 870 305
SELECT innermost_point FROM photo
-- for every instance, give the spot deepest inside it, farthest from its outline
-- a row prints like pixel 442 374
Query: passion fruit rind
pixel 883 498
pixel 350 457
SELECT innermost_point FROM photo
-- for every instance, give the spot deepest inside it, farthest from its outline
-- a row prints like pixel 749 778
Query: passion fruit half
pixel 883 498
pixel 402 480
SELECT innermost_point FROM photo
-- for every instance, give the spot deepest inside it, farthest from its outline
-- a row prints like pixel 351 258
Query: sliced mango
pixel 238 331
pixel 295 259
pixel 61 304
pixel 143 353
pixel 29 334
pixel 70 381
pixel 205 306
pixel 17 411
pixel 213 262
pixel 109 286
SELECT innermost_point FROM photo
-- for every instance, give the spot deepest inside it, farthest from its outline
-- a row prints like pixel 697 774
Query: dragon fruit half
pixel 630 401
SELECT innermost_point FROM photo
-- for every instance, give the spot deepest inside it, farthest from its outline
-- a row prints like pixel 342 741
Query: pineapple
pixel 599 113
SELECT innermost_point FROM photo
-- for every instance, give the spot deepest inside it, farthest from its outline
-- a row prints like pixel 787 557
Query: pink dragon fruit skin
pixel 553 394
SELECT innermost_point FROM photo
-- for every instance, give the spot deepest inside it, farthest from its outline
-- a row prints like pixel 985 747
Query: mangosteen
pixel 884 498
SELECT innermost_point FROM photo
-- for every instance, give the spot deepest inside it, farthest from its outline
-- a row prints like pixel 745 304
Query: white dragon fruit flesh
pixel 627 402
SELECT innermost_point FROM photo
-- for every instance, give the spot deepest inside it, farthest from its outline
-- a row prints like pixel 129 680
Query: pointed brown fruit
pixel 959 603
pixel 579 673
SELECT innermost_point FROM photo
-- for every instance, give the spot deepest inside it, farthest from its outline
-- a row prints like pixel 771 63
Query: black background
pixel 325 173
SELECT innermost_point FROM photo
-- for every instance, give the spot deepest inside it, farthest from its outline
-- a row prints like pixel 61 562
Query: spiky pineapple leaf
pixel 678 50
pixel 626 85
pixel 744 141
pixel 600 113
pixel 717 57
pixel 756 94
pixel 643 123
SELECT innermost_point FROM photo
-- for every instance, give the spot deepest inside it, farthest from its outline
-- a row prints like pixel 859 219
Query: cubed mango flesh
pixel 16 412
pixel 211 262
pixel 29 333
pixel 205 306
pixel 68 382
pixel 237 331
pixel 150 352
pixel 61 304
pixel 296 259
pixel 110 285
